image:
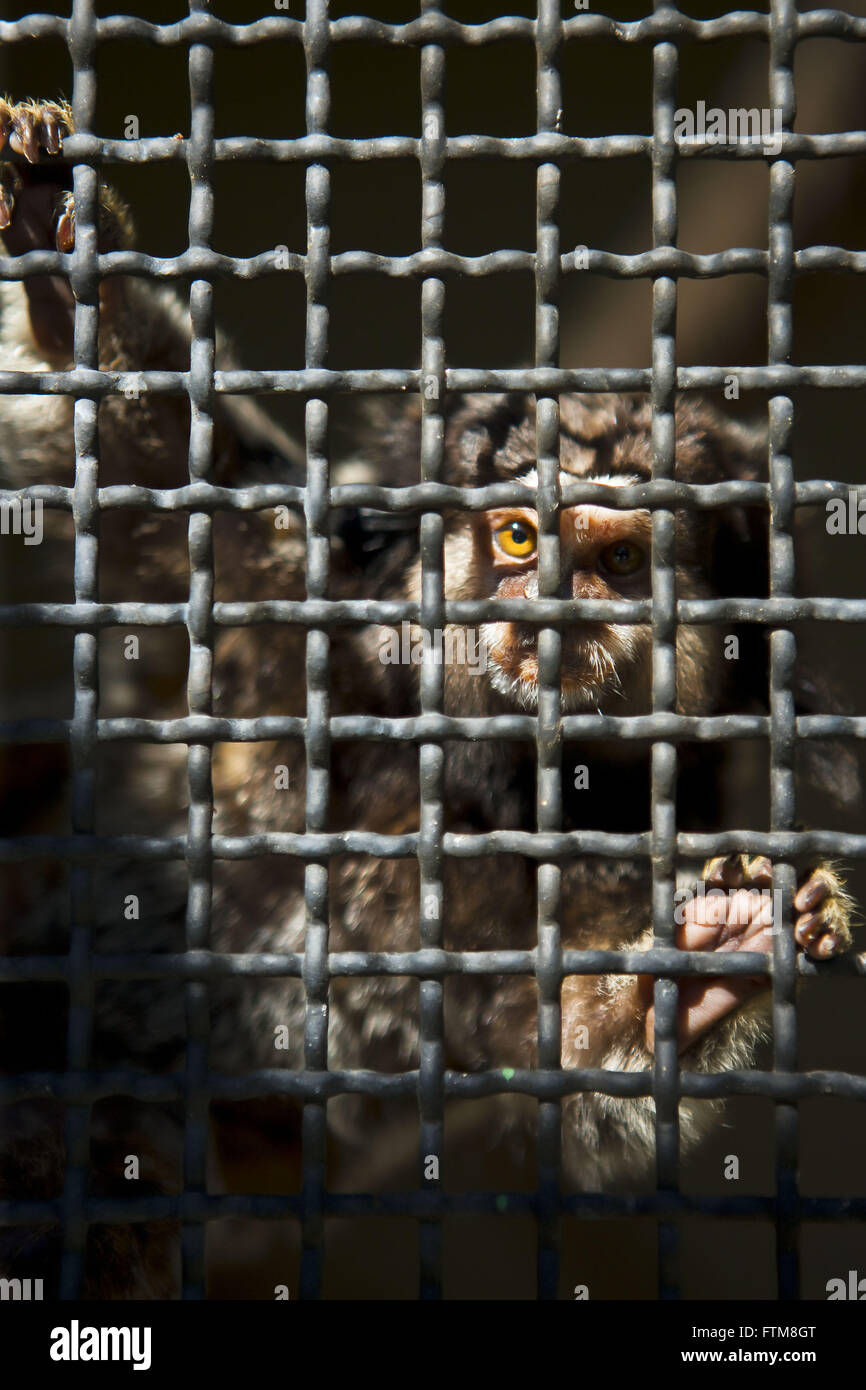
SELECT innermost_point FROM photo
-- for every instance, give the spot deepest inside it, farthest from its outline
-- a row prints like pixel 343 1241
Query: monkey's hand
pixel 37 213
pixel 736 911
pixel 33 125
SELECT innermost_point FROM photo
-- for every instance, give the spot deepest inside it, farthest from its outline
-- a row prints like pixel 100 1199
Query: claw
pixel 813 892
pixel 725 872
pixel 760 871
pixel 51 137
pixel 23 138
pixel 7 206
pixel 808 927
pixel 29 129
pixel 830 944
pixel 34 125
pixel 65 232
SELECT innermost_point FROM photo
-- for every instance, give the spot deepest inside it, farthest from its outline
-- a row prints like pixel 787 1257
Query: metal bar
pixel 795 845
pixel 591 1205
pixel 783 645
pixel 429 496
pixel 674 728
pixel 548 1086
pixel 317 744
pixel 429 963
pixel 85 287
pixel 200 627
pixel 431 756
pixel 321 612
pixel 435 260
pixel 550 145
pixel 664 637
pixel 320 381
pixel 549 745
pixel 434 27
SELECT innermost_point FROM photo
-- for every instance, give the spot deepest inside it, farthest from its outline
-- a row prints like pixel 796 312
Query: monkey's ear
pixel 827 764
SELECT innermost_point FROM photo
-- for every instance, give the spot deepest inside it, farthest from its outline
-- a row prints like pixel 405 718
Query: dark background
pixel 489 322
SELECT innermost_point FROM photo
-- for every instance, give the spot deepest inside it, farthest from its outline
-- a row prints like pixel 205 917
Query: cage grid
pixel 432 32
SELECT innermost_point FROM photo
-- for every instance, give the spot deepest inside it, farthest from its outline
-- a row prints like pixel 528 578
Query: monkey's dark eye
pixel 517 539
pixel 622 558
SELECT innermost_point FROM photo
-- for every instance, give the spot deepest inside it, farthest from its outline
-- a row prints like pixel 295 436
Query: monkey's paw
pixel 28 128
pixel 734 910
pixel 822 925
pixel 30 125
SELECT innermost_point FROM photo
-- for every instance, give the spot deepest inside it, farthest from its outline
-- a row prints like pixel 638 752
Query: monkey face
pixel 604 554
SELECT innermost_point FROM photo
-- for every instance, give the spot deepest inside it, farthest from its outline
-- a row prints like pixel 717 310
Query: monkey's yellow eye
pixel 622 558
pixel 517 539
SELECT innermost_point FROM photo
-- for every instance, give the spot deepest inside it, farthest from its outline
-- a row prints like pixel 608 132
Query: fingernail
pixel 761 867
pixel 808 925
pixel 812 892
pixel 65 233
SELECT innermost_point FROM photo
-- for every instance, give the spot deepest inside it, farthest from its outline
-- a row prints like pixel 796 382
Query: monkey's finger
pixel 825 933
pixel 64 233
pixel 32 125
pixel 704 1003
pixel 702 1006
pixel 810 894
pixel 710 921
pixel 7 204
pixel 52 128
pixel 23 138
pixel 726 871
pixel 823 926
pixel 759 871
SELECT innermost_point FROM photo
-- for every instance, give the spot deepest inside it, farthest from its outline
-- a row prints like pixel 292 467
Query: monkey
pixel 488 785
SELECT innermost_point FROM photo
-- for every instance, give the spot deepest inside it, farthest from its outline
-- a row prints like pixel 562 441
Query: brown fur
pixel 373 904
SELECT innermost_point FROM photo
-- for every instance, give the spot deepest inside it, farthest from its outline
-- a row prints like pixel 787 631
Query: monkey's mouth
pixel 588 671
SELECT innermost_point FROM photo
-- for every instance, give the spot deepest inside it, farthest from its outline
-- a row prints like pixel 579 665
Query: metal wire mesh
pixel 432 1084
